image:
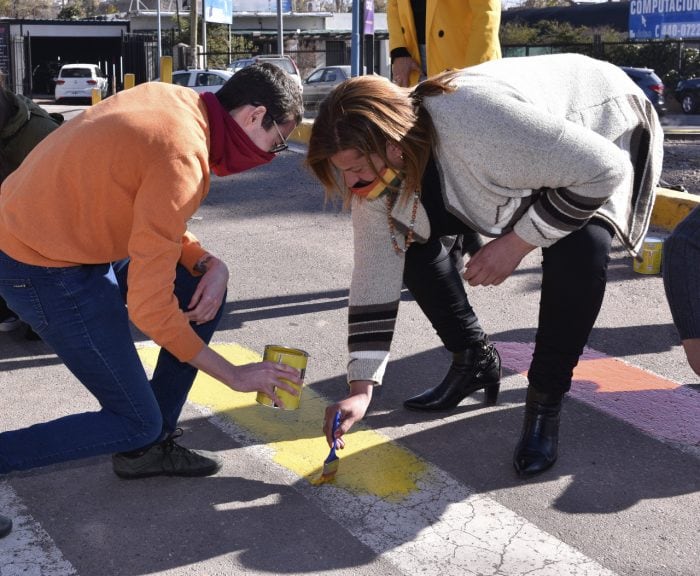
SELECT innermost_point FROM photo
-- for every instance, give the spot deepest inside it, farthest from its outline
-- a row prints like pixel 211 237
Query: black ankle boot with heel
pixel 477 367
pixel 537 449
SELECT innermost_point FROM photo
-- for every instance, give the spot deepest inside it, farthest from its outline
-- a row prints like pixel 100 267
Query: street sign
pixel 664 19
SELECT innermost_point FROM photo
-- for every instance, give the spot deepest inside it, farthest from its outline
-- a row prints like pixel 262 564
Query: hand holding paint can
pixel 291 357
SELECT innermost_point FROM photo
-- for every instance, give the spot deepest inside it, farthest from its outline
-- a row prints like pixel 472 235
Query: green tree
pixel 517 34
pixel 108 8
pixel 545 3
pixel 26 9
pixel 90 7
pixel 79 9
pixel 547 32
pixel 561 33
pixel 71 12
pixel 218 48
pixel 671 60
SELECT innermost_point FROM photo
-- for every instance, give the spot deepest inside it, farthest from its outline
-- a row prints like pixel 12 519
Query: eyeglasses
pixel 282 146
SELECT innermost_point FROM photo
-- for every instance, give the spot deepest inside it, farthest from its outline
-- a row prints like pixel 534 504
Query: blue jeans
pixel 80 312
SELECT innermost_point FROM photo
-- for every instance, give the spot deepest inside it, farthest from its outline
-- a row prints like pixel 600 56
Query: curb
pixel 682 134
pixel 302 132
pixel 670 207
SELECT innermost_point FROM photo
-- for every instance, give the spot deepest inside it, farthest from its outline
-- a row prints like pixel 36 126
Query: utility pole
pixel 280 29
pixel 204 34
pixel 193 33
pixel 160 39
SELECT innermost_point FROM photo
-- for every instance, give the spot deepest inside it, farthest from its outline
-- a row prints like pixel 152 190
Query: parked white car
pixel 201 80
pixel 78 81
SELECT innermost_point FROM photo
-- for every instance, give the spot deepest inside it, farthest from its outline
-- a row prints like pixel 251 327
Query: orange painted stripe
pixel 660 407
pixel 610 375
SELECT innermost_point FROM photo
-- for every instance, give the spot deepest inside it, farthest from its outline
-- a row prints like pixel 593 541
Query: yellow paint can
pixel 291 357
pixel 650 254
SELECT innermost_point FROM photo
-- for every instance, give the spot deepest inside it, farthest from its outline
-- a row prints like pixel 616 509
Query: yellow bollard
pixel 129 81
pixel 96 96
pixel 166 69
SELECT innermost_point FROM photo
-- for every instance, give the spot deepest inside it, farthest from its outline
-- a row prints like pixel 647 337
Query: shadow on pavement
pixel 616 341
pixel 153 525
pixel 145 526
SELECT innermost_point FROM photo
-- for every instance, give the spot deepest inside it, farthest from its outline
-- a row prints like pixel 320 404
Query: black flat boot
pixel 479 366
pixel 5 526
pixel 537 449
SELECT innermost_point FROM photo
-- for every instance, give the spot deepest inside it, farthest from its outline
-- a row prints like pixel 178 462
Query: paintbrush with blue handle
pixel 330 465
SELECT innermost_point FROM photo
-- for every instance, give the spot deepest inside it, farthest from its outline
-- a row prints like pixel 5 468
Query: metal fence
pixel 670 59
pixel 334 53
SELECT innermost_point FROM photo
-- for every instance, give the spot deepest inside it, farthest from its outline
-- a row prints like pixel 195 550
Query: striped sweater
pixel 536 145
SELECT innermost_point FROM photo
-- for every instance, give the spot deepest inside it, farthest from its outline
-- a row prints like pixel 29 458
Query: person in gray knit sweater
pixel 560 153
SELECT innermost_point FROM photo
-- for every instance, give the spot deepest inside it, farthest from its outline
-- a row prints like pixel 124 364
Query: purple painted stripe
pixel 669 412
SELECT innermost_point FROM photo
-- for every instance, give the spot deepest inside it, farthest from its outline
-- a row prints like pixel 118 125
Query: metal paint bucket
pixel 650 254
pixel 291 357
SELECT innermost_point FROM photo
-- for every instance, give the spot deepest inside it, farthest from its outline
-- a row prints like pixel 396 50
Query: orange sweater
pixel 120 179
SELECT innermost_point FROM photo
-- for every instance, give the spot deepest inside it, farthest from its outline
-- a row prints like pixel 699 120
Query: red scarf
pixel 231 149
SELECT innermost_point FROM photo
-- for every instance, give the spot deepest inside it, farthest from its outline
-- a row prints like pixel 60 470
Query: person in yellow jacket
pixel 427 37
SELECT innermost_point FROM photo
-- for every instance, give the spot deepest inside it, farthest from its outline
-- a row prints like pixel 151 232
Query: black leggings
pixel 574 274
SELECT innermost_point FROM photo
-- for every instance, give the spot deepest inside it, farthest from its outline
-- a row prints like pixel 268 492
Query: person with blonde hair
pixel 558 153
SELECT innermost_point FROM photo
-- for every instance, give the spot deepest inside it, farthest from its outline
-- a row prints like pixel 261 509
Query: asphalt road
pixel 415 494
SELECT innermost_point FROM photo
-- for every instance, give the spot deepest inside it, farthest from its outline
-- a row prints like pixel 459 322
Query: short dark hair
pixel 264 84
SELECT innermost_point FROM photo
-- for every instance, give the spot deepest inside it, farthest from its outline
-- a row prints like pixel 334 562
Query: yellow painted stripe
pixel 369 464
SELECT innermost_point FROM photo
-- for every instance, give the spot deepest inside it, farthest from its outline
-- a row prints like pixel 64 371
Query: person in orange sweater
pixel 95 217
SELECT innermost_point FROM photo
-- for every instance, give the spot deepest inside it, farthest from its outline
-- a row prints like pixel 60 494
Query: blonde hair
pixel 364 114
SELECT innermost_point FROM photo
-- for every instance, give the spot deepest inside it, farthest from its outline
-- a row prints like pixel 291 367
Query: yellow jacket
pixel 459 33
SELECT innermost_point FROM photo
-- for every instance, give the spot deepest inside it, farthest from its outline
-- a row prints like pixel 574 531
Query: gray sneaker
pixel 166 459
pixel 5 526
pixel 9 323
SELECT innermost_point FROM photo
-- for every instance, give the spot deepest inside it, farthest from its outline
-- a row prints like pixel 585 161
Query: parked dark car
pixel 651 84
pixel 687 93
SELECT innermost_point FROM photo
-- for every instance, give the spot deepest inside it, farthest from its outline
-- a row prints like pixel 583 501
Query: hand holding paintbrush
pixel 330 465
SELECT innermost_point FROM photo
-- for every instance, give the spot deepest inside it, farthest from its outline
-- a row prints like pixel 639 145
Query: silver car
pixel 282 61
pixel 201 80
pixel 320 82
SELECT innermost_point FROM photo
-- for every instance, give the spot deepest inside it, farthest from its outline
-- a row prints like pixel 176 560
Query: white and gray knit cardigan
pixel 537 145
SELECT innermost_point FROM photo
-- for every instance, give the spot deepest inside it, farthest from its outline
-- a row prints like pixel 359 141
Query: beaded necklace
pixel 390 203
